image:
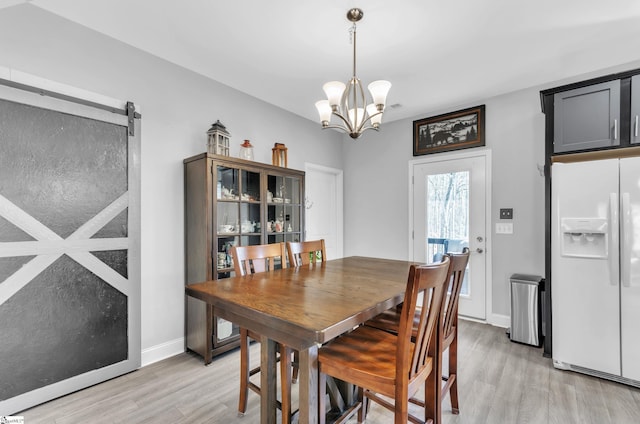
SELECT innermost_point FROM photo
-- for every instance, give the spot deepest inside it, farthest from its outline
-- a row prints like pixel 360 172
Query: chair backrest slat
pixel 427 282
pixel 257 258
pixel 305 252
pixel 457 271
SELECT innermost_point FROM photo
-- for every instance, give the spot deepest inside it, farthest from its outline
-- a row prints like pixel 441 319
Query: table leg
pixel 268 381
pixel 308 386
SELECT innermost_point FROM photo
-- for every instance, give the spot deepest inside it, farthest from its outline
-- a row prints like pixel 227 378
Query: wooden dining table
pixel 303 308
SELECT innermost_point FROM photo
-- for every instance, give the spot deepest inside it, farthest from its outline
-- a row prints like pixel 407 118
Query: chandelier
pixel 348 102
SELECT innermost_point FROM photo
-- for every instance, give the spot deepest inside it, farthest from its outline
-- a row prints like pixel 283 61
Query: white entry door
pixel 323 204
pixel 449 213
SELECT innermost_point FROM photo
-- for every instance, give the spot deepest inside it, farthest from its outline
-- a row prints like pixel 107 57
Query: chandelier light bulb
pixel 356 117
pixel 379 90
pixel 334 91
pixel 324 110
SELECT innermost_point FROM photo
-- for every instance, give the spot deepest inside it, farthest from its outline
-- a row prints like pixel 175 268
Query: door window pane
pixel 448 217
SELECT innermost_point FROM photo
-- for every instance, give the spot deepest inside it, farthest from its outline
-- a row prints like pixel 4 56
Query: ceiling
pixel 437 54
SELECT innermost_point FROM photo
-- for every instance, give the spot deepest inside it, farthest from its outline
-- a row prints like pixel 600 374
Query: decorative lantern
pixel 279 155
pixel 218 139
pixel 246 150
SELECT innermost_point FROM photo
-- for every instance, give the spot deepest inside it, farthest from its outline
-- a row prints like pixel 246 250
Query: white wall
pixel 178 107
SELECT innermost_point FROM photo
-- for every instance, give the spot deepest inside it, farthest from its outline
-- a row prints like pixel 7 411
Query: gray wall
pixel 377 189
pixel 376 176
pixel 178 106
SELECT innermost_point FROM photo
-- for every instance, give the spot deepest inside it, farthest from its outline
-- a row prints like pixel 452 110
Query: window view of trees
pixel 447 213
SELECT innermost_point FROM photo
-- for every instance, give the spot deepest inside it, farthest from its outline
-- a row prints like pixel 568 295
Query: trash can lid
pixel 526 278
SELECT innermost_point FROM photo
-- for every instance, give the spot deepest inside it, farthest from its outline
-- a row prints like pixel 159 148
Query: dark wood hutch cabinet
pixel 230 201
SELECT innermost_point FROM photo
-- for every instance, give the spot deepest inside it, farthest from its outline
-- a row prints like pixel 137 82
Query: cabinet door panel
pixel 587 117
pixel 635 110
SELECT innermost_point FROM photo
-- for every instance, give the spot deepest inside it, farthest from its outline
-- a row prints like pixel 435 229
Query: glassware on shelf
pixel 222 259
pixel 246 150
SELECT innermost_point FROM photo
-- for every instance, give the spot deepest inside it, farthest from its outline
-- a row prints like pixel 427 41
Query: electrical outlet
pixel 506 213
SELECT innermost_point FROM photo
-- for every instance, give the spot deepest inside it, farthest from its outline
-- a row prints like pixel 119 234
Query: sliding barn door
pixel 69 248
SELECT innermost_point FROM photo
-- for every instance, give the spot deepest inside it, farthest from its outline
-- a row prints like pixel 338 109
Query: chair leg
pixel 453 375
pixel 285 382
pixel 401 415
pixel 322 398
pixel 364 406
pixel 244 371
pixel 296 366
pixel 431 397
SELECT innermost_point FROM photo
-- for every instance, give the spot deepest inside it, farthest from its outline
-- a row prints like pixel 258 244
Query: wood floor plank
pixel 563 402
pixel 620 402
pixel 534 403
pixel 499 382
pixel 510 386
pixel 591 400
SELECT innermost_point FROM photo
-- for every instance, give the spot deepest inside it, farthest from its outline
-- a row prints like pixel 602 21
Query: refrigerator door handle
pixel 614 250
pixel 625 245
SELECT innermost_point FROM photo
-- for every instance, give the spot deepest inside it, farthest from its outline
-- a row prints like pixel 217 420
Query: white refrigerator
pixel 595 268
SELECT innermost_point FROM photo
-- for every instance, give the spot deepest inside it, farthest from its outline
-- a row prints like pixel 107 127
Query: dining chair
pixel 389 321
pixel 251 260
pixel 306 252
pixel 380 363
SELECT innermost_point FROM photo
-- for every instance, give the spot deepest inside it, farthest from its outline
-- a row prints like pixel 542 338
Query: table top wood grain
pixel 311 304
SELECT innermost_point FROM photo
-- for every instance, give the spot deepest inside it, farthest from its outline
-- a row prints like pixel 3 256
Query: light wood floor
pixel 500 382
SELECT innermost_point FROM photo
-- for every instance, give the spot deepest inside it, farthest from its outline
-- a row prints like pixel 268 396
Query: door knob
pixel 479 238
pixel 479 250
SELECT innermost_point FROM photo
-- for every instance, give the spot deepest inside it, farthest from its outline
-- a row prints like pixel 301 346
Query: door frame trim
pixel 441 157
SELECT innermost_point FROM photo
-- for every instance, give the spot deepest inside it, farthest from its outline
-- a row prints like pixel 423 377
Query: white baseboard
pixel 497 320
pixel 162 351
pixel 502 321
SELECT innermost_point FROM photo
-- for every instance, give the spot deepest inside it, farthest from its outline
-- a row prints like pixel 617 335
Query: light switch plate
pixel 504 228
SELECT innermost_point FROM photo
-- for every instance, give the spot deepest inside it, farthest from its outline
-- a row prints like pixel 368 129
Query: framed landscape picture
pixel 450 131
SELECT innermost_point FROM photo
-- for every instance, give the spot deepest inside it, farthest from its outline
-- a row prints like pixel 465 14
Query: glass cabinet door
pixel 283 222
pixel 225 331
pixel 238 214
pixel 250 208
pixel 227 218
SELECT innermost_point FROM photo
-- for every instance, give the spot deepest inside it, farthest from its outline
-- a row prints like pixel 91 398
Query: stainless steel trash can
pixel 526 314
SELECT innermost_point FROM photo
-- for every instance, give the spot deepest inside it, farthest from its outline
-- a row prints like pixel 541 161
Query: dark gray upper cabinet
pixel 587 117
pixel 635 110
